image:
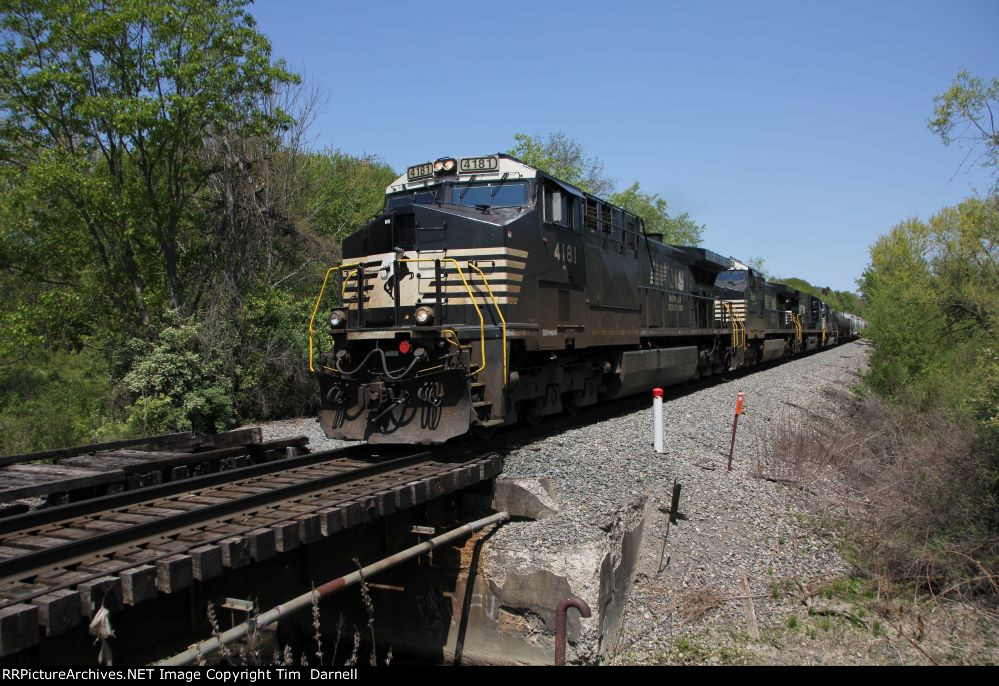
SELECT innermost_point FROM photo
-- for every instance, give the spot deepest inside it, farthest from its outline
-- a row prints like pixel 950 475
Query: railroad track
pixel 73 474
pixel 58 566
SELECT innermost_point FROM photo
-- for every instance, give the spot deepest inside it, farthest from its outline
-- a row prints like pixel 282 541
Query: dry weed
pixel 699 602
pixel 905 486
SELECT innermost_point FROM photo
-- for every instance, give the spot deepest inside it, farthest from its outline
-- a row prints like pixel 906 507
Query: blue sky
pixel 796 131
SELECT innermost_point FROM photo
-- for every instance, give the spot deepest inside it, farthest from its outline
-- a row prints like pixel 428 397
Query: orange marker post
pixel 739 401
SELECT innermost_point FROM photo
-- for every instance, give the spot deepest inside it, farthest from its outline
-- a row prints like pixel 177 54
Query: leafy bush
pixel 179 387
pixel 933 294
pixel 264 347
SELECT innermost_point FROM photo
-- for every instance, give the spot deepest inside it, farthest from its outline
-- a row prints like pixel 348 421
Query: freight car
pixel 488 293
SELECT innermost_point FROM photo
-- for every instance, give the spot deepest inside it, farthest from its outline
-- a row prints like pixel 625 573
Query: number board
pixel 475 165
pixel 419 171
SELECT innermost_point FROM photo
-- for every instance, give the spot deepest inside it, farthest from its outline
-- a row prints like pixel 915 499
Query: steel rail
pixel 63 453
pixel 311 509
pixel 51 515
pixel 160 463
pixel 211 645
pixel 19 567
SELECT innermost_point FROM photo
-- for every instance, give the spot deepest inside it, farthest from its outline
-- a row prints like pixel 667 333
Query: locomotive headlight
pixel 338 319
pixel 445 165
pixel 424 315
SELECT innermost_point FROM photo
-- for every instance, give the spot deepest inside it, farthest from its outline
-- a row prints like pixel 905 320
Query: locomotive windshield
pixel 734 279
pixel 494 194
pixel 417 196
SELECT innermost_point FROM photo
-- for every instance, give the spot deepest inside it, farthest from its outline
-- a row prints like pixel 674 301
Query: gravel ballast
pixel 301 426
pixel 736 523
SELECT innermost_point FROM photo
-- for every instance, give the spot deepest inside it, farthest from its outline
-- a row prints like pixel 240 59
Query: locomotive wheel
pixel 569 405
pixel 530 415
pixel 483 433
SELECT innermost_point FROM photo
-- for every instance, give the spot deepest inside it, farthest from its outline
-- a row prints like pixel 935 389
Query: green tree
pixel 896 286
pixel 760 265
pixel 651 207
pixel 563 157
pixel 933 298
pixel 966 114
pixel 932 289
pixel 965 264
pixel 108 108
pixel 349 190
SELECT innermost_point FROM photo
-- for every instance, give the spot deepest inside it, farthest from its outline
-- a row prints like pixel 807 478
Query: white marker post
pixel 657 419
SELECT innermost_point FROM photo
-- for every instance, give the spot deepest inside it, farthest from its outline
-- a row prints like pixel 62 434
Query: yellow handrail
pixel 731 321
pixel 506 376
pixel 737 326
pixel 319 299
pixel 464 281
pixel 343 285
pixel 797 327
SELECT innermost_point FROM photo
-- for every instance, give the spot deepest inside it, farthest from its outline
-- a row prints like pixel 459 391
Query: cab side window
pixel 560 206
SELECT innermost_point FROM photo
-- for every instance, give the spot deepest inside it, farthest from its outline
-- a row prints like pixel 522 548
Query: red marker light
pixel 405 347
pixel 657 392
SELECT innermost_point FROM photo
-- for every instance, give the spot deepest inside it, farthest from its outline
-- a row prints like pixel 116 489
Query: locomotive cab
pixel 419 349
pixel 742 297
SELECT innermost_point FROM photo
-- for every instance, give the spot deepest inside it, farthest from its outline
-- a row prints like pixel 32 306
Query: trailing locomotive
pixel 489 292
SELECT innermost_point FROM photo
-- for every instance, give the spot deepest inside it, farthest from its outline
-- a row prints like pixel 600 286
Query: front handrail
pixel 345 281
pixel 461 274
pixel 506 374
pixel 319 299
pixel 464 281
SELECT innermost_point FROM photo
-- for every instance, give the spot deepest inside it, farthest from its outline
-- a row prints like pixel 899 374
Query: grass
pixel 851 589
pixel 688 650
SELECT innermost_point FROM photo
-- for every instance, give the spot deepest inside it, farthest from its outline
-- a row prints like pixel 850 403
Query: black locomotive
pixel 489 292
